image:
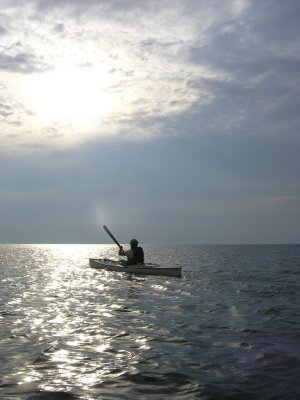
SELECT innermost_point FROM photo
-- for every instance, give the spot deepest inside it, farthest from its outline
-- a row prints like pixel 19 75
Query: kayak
pixel 143 269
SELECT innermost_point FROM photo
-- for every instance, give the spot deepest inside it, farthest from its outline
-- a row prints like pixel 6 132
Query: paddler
pixel 135 255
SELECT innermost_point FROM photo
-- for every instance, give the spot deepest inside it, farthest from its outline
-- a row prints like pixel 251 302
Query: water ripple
pixel 228 329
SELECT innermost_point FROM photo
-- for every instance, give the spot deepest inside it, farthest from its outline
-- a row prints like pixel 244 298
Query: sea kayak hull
pixel 145 269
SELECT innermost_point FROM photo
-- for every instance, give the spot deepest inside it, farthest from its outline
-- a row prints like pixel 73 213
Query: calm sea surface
pixel 228 329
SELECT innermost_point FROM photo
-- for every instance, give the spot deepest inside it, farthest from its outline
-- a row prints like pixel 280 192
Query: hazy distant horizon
pixel 154 244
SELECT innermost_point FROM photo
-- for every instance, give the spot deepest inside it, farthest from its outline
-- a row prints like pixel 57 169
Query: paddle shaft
pixel 111 235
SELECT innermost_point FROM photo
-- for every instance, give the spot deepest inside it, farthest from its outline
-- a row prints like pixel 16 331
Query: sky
pixel 169 121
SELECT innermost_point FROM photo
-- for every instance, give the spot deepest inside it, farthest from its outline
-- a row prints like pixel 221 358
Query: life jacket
pixel 138 256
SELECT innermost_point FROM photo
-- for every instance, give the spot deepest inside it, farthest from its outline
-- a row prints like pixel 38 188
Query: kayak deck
pixel 144 269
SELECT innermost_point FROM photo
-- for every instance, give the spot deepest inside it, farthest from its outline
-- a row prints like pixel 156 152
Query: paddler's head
pixel 133 243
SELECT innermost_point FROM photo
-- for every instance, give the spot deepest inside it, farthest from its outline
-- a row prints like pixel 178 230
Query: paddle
pixel 111 235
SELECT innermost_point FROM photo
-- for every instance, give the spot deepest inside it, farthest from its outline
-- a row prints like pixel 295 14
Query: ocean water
pixel 228 329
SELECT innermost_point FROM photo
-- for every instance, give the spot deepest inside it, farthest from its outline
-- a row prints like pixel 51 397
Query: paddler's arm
pixel 121 251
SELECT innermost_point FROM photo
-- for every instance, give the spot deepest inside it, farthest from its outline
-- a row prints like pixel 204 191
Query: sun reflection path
pixel 80 323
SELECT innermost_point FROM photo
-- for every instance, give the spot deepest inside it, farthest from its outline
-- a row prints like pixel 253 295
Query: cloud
pixel 146 48
pixel 2 30
pixel 75 73
pixel 196 188
pixel 22 62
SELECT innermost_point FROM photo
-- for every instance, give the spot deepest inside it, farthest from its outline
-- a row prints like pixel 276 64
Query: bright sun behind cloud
pixel 75 96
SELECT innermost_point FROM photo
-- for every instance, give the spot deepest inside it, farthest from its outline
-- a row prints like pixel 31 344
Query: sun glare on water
pixel 71 96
